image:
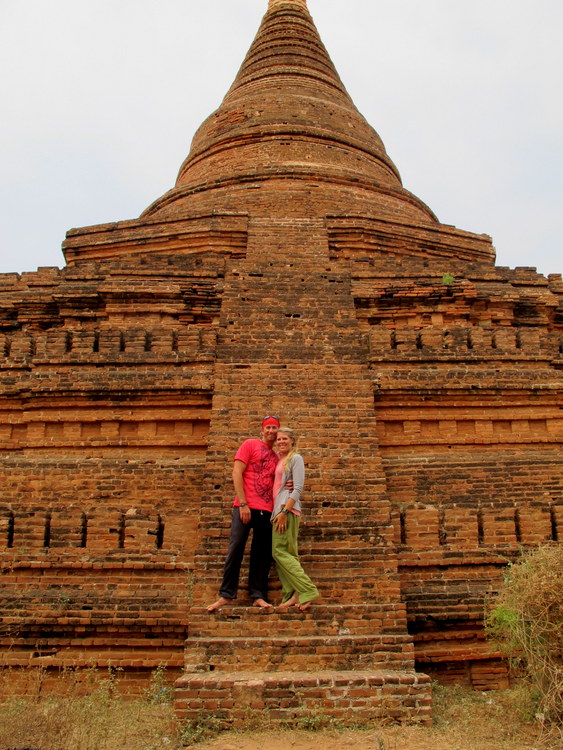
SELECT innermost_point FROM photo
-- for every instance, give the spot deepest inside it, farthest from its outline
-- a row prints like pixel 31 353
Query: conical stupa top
pixel 280 2
pixel 286 116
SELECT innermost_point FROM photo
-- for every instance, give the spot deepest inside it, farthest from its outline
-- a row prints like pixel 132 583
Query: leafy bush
pixel 527 621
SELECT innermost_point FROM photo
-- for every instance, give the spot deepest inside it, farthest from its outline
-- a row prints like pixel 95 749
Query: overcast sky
pixel 101 98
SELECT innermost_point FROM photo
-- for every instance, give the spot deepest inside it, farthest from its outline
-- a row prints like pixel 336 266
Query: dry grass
pixel 527 621
pixel 463 719
pixel 103 720
pixel 98 720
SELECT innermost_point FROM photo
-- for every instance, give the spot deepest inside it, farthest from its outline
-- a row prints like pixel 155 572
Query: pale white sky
pixel 101 98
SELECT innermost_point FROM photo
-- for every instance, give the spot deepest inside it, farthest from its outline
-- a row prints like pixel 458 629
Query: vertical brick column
pixel 292 346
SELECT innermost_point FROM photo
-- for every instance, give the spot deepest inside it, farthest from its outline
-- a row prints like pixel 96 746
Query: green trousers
pixel 285 553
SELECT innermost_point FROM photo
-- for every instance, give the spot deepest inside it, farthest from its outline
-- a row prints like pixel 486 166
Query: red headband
pixel 270 420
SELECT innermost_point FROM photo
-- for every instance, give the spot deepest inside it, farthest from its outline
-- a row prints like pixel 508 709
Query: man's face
pixel 269 433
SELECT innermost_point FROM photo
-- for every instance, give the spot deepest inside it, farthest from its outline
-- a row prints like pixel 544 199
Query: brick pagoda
pixel 288 271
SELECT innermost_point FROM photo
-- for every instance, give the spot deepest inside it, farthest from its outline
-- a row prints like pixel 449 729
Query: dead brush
pixel 86 713
pixel 527 621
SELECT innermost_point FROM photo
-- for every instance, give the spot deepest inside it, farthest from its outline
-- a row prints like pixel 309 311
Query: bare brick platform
pixel 349 697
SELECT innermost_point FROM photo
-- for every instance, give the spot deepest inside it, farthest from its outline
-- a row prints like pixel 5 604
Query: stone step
pixel 350 549
pixel 347 696
pixel 340 529
pixel 332 584
pixel 294 653
pixel 357 589
pixel 319 571
pixel 214 557
pixel 320 620
pixel 339 547
pixel 345 591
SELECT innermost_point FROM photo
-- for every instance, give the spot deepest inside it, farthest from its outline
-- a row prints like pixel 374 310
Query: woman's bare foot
pixel 221 602
pixel 303 607
pixel 292 602
pixel 262 603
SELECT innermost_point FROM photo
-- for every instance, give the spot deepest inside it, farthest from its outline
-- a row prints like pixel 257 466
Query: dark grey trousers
pixel 260 555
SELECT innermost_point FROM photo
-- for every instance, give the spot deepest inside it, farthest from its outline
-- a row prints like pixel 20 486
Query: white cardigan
pixel 296 472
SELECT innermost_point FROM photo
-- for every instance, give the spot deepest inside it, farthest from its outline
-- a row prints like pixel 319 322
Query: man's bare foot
pixel 303 607
pixel 292 602
pixel 262 603
pixel 221 602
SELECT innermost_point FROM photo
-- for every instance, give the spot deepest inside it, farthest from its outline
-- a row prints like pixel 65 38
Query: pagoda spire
pixel 287 2
pixel 287 115
pixel 288 46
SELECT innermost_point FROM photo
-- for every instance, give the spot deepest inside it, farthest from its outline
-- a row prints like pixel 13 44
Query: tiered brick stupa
pixel 287 272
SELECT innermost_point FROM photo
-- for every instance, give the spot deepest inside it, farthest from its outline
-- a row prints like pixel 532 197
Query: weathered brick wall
pixel 126 391
pixel 104 413
pixel 466 362
pixel 97 562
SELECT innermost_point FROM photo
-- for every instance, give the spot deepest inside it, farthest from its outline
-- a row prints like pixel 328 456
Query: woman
pixel 297 588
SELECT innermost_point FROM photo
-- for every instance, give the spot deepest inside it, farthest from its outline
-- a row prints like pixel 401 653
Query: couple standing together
pixel 268 486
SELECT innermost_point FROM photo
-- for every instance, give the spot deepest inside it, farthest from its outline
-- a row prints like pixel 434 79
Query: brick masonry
pixel 288 271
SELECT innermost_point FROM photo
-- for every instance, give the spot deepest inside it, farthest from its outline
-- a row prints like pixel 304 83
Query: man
pixel 253 478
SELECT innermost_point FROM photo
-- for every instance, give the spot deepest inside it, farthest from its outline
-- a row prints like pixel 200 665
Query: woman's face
pixel 283 443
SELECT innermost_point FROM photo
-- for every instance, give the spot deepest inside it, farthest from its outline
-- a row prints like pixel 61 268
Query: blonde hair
pixel 293 451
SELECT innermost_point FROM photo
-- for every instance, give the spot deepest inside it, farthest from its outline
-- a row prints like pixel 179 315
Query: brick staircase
pixel 350 656
pixel 331 636
pixel 350 662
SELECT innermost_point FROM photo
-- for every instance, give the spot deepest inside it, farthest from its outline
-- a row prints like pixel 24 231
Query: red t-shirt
pixel 258 476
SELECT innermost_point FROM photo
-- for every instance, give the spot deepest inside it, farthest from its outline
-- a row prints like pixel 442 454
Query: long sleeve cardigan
pixel 296 472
